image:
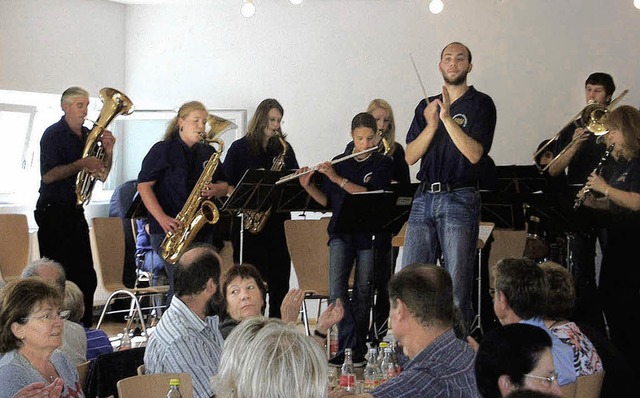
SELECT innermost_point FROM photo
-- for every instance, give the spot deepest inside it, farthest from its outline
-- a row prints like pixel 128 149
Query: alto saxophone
pixel 195 213
pixel 580 199
pixel 254 221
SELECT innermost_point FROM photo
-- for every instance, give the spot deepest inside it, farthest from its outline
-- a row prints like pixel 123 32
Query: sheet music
pixel 485 231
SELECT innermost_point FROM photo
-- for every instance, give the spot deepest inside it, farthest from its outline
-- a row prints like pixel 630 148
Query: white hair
pixel 266 358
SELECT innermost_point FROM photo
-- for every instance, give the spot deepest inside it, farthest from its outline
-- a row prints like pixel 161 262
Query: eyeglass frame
pixel 492 292
pixel 549 379
pixel 50 317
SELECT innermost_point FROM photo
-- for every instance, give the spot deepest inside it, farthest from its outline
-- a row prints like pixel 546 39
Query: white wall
pixel 49 45
pixel 324 60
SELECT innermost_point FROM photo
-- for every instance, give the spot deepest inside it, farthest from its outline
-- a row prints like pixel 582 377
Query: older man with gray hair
pixel 74 340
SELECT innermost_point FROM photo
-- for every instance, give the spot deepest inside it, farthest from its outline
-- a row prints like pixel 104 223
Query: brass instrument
pixel 114 103
pixel 592 118
pixel 197 211
pixel 581 197
pixel 254 221
pixel 384 145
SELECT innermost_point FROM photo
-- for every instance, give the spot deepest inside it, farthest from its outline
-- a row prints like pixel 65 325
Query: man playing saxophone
pixel 169 172
pixel 63 233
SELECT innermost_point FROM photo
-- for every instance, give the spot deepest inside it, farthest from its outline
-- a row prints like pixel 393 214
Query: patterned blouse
pixel 585 357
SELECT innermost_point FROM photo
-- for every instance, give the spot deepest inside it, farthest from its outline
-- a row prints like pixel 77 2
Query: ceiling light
pixel 248 9
pixel 436 6
pixel 298 2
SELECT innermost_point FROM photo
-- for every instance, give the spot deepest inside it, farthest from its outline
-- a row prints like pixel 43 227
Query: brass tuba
pixel 197 211
pixel 254 221
pixel 114 103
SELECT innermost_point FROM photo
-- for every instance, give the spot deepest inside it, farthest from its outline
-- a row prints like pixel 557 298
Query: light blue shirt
pixel 182 342
pixel 562 354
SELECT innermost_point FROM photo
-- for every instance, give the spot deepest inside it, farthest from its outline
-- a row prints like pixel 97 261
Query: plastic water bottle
pixel 348 374
pixel 174 389
pixel 389 368
pixel 125 342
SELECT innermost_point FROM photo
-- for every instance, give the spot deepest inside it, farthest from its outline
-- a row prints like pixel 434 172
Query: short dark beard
pixel 459 81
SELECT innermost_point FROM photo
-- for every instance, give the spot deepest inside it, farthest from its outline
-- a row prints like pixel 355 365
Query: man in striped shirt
pixel 185 340
pixel 422 318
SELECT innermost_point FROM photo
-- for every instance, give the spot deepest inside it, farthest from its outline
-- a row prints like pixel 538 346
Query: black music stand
pixel 376 212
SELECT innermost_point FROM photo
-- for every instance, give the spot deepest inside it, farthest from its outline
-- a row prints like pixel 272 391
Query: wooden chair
pixel 14 245
pixel 83 370
pixel 589 386
pixel 569 391
pixel 307 244
pixel 108 237
pixel 154 385
pixel 140 370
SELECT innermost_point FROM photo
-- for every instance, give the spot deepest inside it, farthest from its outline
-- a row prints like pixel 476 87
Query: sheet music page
pixel 485 231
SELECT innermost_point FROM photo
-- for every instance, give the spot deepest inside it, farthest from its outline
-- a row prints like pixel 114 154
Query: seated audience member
pixel 422 317
pixel 40 389
pixel 185 339
pixel 244 292
pixel 524 393
pixel 97 340
pixel 514 357
pixel 265 358
pixel 520 294
pixel 74 339
pixel 31 327
pixel 561 298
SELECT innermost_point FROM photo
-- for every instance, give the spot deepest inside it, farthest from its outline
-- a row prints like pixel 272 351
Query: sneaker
pixel 359 361
pixel 337 360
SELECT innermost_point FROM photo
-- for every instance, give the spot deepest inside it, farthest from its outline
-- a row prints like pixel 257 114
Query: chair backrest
pixel 140 370
pixel 589 386
pixel 307 243
pixel 154 385
pixel 569 390
pixel 83 370
pixel 14 245
pixel 110 251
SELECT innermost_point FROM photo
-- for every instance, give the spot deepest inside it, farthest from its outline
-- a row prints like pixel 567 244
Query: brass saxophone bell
pixel 215 127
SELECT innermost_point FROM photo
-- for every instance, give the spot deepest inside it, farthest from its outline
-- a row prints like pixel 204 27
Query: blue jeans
pixel 446 223
pixel 353 328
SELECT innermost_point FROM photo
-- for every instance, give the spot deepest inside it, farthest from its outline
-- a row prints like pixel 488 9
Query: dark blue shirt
pixel 374 173
pixel 175 168
pixel 443 162
pixel 59 146
pixel 400 172
pixel 585 159
pixel 239 159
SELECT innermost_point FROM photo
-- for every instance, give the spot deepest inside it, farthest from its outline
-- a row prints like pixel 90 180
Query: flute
pixel 295 175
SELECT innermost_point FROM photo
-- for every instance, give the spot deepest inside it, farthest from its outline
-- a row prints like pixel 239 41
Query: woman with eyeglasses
pixel 31 328
pixel 516 357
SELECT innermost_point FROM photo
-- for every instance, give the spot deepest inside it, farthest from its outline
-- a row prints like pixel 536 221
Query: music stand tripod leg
pixel 477 321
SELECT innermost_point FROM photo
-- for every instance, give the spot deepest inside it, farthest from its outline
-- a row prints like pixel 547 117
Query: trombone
pixel 592 117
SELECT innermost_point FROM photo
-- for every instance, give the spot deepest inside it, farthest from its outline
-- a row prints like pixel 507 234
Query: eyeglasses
pixel 50 316
pixel 492 292
pixel 550 379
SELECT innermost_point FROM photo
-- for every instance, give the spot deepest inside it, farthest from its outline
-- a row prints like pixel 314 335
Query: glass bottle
pixel 371 371
pixel 174 389
pixel 389 369
pixel 348 374
pixel 125 341
pixel 333 341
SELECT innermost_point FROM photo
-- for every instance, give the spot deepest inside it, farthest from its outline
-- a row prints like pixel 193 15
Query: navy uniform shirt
pixel 443 162
pixel 239 159
pixel 400 172
pixel 59 146
pixel 175 168
pixel 374 173
pixel 586 158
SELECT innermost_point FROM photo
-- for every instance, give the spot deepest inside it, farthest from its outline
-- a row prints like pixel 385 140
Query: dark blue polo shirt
pixel 239 159
pixel 374 173
pixel 585 160
pixel 175 168
pixel 475 112
pixel 59 146
pixel 400 172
